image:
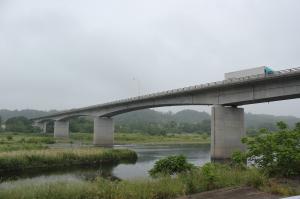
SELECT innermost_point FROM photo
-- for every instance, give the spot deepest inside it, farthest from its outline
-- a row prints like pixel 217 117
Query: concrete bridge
pixel 227 120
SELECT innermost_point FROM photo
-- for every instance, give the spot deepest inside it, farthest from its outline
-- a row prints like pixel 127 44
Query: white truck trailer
pixel 263 70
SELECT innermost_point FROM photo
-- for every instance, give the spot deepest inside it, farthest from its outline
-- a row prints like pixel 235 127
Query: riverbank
pixel 55 158
pixel 32 141
pixel 139 138
pixel 233 193
pixel 199 180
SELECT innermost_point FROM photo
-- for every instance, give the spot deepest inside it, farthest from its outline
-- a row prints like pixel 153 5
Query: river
pixel 197 154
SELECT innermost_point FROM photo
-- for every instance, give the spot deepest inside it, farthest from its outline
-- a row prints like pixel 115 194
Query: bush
pixel 239 159
pixel 209 173
pixel 170 165
pixel 9 137
pixel 277 153
pixel 19 124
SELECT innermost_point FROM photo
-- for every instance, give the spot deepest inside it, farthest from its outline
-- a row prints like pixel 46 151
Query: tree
pixel 297 126
pixel 20 124
pixel 281 125
pixel 278 153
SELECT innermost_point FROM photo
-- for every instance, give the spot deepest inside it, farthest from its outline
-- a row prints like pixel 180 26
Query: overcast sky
pixel 61 54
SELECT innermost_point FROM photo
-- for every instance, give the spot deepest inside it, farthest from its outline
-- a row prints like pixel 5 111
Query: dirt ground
pixel 232 193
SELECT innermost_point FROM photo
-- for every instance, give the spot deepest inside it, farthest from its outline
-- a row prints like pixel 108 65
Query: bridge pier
pixel 61 128
pixel 41 125
pixel 103 131
pixel 227 129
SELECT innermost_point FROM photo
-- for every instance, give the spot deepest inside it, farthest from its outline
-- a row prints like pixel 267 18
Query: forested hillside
pixel 154 122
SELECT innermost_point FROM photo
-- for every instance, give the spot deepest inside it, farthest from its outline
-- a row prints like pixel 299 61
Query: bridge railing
pixel 190 88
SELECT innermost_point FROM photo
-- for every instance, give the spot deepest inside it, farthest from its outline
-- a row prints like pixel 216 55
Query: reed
pixel 198 180
pixel 49 158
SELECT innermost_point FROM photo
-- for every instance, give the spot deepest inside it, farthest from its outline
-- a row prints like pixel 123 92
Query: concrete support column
pixel 103 131
pixel 41 125
pixel 227 129
pixel 61 128
pixel 44 128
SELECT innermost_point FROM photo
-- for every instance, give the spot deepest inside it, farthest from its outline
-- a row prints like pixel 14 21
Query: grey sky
pixel 62 54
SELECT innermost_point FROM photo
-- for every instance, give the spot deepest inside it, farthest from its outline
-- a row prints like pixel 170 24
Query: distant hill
pixel 152 116
pixel 190 116
pixel 29 113
pixel 258 121
pixel 253 121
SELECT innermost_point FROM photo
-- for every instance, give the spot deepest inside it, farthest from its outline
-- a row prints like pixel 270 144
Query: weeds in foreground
pixel 196 180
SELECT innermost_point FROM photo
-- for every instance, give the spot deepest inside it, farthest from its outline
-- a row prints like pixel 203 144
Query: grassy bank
pixel 34 141
pixel 49 158
pixel 198 180
pixel 31 141
pixel 139 138
pixel 24 141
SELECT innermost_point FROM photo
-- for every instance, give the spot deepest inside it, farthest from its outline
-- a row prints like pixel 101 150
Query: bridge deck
pixel 185 90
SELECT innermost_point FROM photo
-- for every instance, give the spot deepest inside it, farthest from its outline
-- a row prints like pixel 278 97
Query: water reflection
pixel 197 154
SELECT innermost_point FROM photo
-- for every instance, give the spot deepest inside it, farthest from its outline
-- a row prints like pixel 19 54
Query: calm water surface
pixel 197 154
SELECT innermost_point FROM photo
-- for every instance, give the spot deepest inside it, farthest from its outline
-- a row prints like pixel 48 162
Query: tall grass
pixel 141 138
pixel 24 141
pixel 20 160
pixel 128 138
pixel 197 180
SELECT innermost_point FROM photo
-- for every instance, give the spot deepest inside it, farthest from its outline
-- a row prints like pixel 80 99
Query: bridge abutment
pixel 103 131
pixel 61 129
pixel 227 129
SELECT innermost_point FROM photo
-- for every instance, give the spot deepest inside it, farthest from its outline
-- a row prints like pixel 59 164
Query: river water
pixel 198 154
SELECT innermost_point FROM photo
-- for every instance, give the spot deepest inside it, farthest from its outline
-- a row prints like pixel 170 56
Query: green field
pixel 24 141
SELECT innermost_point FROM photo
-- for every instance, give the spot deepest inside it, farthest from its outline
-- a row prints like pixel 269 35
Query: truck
pixel 262 70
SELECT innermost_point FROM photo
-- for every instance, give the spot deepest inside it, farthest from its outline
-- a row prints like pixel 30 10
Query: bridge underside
pixel 227 129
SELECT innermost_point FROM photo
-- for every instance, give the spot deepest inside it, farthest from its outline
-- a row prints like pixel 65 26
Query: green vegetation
pixel 20 124
pixel 197 180
pixel 208 177
pixel 31 141
pixel 276 156
pixel 22 160
pixel 151 121
pixel 142 126
pixel 277 153
pixel 131 138
pixel 139 138
pixel 170 165
pixel 24 141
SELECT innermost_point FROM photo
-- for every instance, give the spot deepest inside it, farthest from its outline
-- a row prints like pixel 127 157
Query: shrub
pixel 170 165
pixel 9 137
pixel 209 175
pixel 19 124
pixel 277 153
pixel 239 159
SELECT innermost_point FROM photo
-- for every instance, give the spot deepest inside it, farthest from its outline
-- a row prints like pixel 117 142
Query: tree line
pixel 151 122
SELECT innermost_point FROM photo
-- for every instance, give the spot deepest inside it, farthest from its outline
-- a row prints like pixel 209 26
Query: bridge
pixel 227 119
